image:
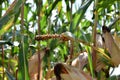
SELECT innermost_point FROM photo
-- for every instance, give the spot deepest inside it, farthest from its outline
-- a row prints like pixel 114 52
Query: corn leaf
pixel 9 17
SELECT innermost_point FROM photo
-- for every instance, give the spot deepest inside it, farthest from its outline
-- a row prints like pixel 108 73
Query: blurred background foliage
pixel 19 22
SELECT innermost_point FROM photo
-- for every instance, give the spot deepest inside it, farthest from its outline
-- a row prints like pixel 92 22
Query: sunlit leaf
pixel 59 6
pixel 7 25
pixel 51 7
pixel 8 19
pixel 102 4
pixel 79 15
pixel 90 61
pixel 26 10
pixel 48 12
pixel 69 21
pixel 68 10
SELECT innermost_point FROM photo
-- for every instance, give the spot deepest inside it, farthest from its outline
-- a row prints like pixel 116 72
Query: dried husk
pixel 117 39
pixel 67 72
pixel 111 46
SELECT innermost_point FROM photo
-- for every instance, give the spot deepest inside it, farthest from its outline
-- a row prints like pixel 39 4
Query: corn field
pixel 59 39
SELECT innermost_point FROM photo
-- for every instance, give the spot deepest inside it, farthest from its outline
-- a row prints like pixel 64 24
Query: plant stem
pixel 94 56
pixel 39 77
pixel 22 38
pixel 71 42
pixel 3 60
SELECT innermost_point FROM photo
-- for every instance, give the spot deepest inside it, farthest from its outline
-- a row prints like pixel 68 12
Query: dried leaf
pixel 33 65
pixel 99 41
pixel 100 65
pixel 80 61
pixel 117 39
pixel 111 46
pixel 66 72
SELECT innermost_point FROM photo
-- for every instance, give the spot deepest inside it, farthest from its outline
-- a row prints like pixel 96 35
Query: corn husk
pixel 111 46
pixel 117 39
pixel 68 72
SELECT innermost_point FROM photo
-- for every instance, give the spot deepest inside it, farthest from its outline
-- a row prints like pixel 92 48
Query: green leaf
pixel 90 61
pixel 9 17
pixel 51 7
pixel 47 13
pixel 68 10
pixel 86 37
pixel 4 26
pixel 102 4
pixel 77 17
pixel 22 60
